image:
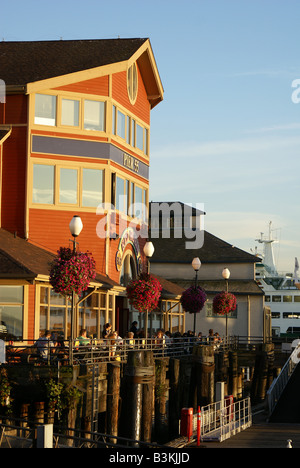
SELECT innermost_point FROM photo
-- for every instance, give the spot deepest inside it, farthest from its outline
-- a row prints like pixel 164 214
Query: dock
pixel 261 434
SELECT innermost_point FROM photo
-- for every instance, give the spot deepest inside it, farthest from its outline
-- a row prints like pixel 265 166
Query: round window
pixel 132 85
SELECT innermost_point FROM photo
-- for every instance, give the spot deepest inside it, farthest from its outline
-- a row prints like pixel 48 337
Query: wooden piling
pixel 185 372
pixel 174 405
pixel 263 372
pixel 161 399
pixel 233 374
pixel 113 397
pixel 204 358
pixel 148 397
pixel 134 394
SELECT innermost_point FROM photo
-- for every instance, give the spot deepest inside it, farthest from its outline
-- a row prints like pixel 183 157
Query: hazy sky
pixel 228 131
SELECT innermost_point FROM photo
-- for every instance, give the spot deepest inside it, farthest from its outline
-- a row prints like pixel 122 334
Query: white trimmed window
pixel 45 110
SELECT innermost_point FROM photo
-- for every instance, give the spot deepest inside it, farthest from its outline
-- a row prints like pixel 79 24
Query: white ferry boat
pixel 282 291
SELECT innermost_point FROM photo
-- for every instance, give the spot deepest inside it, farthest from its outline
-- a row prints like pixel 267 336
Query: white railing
pixel 221 420
pixel 279 384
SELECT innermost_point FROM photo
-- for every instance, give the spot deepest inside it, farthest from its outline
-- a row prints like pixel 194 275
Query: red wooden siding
pixel 50 229
pixel 141 108
pixel 98 86
pixel 15 111
pixel 13 181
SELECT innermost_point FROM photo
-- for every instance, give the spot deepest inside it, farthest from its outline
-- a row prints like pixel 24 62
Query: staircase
pixel 283 395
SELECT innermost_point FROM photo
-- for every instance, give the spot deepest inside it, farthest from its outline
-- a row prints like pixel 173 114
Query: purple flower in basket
pixel 193 299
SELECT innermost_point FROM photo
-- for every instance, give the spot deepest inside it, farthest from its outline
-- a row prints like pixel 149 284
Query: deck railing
pixel 279 384
pixel 95 351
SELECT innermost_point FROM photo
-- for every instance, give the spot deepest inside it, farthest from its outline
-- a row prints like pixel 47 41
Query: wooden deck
pixel 260 435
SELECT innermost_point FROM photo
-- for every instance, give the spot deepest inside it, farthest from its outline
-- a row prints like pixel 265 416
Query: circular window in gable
pixel 132 83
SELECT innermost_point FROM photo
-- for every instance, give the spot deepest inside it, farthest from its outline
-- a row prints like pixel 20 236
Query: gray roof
pixel 29 61
pixel 214 250
pixel 236 287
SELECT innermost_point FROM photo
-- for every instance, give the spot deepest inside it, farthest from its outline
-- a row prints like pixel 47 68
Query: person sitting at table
pixel 130 340
pixel 115 341
pixel 106 330
pixel 159 338
pixel 44 344
pixel 82 339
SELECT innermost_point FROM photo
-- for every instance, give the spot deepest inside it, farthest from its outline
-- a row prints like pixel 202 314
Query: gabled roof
pixel 21 260
pixel 214 250
pixel 26 62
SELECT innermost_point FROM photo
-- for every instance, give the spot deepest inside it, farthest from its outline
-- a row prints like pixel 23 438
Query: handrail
pixel 106 350
pixel 279 384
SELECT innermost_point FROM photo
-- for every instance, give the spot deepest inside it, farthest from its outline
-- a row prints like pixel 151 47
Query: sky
pixel 227 134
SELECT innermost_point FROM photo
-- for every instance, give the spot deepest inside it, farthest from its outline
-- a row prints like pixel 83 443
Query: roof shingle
pixel 26 62
pixel 214 250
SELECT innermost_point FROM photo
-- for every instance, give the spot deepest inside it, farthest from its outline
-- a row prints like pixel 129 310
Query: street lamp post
pixel 148 251
pixel 75 229
pixel 196 264
pixel 226 275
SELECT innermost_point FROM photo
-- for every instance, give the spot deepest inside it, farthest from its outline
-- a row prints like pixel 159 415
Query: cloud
pixel 276 128
pixel 240 146
pixel 268 73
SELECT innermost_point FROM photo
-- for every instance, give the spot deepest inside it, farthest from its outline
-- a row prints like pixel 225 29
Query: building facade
pixel 171 235
pixel 74 139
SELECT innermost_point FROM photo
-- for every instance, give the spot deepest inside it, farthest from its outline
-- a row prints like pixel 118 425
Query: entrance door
pixel 122 317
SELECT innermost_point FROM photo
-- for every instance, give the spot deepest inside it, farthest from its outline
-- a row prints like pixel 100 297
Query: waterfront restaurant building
pixel 74 135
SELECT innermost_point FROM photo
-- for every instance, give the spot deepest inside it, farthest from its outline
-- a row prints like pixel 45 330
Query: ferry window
pixel 276 298
pixel 43 184
pixel 291 315
pixel 94 115
pixel 92 187
pixel 267 298
pixel 296 298
pixel 287 298
pixel 68 186
pixel 70 112
pixel 275 315
pixel 45 109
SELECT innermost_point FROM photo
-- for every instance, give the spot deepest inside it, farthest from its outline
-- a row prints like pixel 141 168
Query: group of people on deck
pixel 48 342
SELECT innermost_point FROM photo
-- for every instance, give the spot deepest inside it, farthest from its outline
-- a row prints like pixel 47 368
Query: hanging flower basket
pixel 71 271
pixel 144 292
pixel 224 303
pixel 193 299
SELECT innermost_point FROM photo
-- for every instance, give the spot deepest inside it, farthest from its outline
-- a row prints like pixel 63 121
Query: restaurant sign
pixel 128 238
